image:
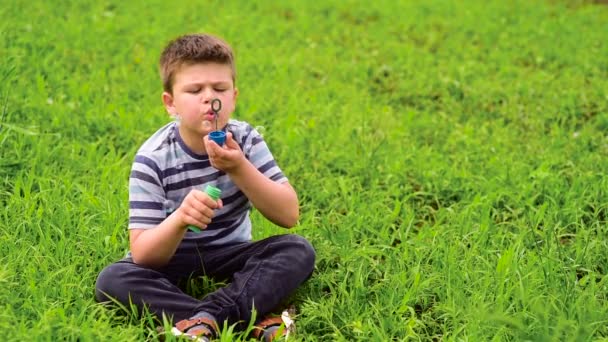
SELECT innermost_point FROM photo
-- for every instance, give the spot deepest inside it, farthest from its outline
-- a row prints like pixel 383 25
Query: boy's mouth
pixel 210 115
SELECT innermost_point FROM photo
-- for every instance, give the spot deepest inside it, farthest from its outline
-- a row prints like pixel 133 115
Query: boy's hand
pixel 226 158
pixel 197 209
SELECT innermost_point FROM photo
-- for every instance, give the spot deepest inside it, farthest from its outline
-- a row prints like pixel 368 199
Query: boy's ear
pixel 168 102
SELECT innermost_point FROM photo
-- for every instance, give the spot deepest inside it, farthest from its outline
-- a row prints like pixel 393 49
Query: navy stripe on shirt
pixel 269 165
pixel 149 163
pixel 146 219
pixel 244 205
pixel 186 183
pixel 227 230
pixel 144 177
pixel 145 205
pixel 185 168
pixel 229 199
pixel 255 141
pixel 277 176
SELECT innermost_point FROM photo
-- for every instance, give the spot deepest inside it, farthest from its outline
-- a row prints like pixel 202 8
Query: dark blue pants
pixel 261 274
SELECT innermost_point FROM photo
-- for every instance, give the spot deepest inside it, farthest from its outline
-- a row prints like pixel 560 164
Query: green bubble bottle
pixel 215 194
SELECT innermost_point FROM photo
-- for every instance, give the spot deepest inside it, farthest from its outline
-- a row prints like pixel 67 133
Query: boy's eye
pixel 193 91
pixel 220 89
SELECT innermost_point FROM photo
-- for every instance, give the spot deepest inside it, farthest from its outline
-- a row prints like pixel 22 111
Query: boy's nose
pixel 207 96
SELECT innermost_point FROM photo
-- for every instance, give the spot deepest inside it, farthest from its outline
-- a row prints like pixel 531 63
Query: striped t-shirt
pixel 165 170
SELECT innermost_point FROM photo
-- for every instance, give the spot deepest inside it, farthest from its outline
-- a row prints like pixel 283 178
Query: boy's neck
pixel 194 142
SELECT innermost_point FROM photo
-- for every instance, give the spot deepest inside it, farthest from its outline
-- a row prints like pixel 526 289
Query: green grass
pixel 450 159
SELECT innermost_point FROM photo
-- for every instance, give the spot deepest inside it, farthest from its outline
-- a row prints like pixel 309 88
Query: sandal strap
pixel 201 330
pixel 259 328
pixel 186 324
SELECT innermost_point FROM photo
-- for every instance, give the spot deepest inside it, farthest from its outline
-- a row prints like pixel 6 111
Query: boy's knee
pixel 303 251
pixel 107 281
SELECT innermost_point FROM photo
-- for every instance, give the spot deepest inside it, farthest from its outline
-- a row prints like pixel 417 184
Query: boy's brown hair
pixel 190 49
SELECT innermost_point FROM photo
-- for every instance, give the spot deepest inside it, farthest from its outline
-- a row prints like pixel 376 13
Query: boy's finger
pixel 194 217
pixel 202 209
pixel 231 143
pixel 211 146
pixel 205 199
pixel 208 143
pixel 199 219
pixel 192 221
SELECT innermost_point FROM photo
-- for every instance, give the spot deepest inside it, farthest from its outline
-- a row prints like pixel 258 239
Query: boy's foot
pixel 268 329
pixel 199 329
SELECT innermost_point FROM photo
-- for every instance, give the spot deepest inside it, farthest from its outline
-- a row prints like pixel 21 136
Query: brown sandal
pixel 258 330
pixel 285 320
pixel 206 330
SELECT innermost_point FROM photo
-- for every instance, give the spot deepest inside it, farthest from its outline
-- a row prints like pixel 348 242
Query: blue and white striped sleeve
pixel 146 194
pixel 259 155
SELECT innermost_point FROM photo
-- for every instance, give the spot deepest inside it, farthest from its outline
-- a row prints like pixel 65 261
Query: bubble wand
pixel 218 136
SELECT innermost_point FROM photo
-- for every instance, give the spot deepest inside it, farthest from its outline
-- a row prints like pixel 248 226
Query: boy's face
pixel 194 87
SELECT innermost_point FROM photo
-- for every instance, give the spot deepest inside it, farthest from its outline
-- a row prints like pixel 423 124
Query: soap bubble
pixel 207 124
pixel 179 166
pixel 261 130
pixel 168 206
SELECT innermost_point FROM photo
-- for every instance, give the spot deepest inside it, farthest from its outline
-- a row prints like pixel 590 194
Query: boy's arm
pixel 154 247
pixel 278 202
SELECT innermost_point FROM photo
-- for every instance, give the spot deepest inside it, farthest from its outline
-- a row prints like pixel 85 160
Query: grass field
pixel 450 159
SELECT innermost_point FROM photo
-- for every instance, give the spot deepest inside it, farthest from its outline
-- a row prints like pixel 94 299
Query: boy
pixel 171 167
